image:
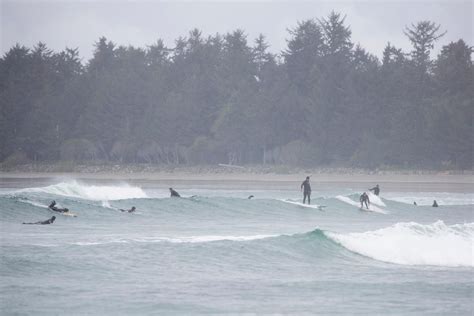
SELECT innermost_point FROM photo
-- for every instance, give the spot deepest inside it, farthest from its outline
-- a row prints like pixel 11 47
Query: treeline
pixel 219 99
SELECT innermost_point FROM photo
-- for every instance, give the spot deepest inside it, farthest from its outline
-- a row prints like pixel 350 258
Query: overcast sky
pixel 140 23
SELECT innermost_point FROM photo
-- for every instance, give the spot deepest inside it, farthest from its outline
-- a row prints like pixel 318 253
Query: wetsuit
pixel 53 207
pixel 174 193
pixel 376 190
pixel 46 222
pixel 364 199
pixel 306 191
pixel 130 210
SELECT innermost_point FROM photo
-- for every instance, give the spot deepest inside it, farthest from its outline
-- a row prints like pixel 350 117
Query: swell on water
pixel 411 243
pixel 90 192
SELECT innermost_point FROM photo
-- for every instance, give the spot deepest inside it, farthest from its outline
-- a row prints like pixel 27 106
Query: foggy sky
pixel 73 24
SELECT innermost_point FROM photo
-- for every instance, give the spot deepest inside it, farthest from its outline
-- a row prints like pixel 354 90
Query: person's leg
pixel 304 197
pixel 309 198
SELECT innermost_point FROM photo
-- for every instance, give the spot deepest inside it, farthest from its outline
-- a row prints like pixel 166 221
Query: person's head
pixel 377 185
pixel 133 208
pixel 53 218
pixel 66 210
pixel 307 178
pixel 171 189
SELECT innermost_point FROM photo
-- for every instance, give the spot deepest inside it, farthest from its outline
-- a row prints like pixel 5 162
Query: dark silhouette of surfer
pixel 376 189
pixel 53 207
pixel 364 199
pixel 435 204
pixel 250 197
pixel 174 193
pixel 130 210
pixel 46 222
pixel 306 187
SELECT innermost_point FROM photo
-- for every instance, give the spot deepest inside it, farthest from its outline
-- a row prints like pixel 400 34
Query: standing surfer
pixel 364 199
pixel 306 187
pixel 376 190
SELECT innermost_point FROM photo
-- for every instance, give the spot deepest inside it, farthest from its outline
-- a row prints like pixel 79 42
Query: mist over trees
pixel 324 101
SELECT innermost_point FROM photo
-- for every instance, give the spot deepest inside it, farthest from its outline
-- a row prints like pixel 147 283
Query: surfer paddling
pixel 46 222
pixel 130 210
pixel 54 208
pixel 306 187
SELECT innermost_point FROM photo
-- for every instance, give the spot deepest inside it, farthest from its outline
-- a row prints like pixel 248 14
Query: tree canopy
pixel 226 99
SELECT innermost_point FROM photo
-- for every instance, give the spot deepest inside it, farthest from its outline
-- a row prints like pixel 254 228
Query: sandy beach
pixel 389 181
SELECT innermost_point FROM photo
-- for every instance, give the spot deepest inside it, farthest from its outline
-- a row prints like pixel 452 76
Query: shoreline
pixel 258 177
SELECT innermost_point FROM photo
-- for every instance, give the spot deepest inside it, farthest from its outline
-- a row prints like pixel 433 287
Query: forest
pixel 224 98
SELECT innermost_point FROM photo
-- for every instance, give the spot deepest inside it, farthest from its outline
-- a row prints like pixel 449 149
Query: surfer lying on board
pixel 364 198
pixel 53 207
pixel 306 190
pixel 46 222
pixel 174 193
pixel 130 210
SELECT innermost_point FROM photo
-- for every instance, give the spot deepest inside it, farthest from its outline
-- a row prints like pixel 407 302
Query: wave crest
pixel 90 192
pixel 437 244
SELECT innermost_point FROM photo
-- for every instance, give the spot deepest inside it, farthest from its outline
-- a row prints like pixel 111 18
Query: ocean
pixel 215 251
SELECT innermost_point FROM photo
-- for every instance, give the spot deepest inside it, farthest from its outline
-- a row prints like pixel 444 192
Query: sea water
pixel 217 252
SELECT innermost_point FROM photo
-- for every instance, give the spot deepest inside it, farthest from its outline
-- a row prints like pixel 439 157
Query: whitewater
pixel 215 251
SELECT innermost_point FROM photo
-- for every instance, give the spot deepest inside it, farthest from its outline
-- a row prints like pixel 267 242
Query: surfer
pixel 306 187
pixel 130 210
pixel 414 203
pixel 364 199
pixel 376 189
pixel 53 207
pixel 250 197
pixel 174 193
pixel 435 204
pixel 46 222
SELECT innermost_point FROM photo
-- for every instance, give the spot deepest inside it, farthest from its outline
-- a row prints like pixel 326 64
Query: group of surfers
pixel 305 187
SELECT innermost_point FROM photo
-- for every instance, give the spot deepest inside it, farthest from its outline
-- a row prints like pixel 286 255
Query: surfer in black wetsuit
pixel 364 199
pixel 435 204
pixel 130 210
pixel 306 187
pixel 46 222
pixel 53 207
pixel 250 197
pixel 376 189
pixel 174 193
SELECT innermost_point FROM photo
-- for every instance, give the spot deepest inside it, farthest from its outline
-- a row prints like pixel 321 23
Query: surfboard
pixel 314 206
pixel 68 214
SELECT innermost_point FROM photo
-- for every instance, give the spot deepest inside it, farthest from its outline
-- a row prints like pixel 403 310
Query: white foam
pixel 348 200
pixel 178 240
pixel 375 199
pixel 34 203
pixel 91 192
pixel 414 244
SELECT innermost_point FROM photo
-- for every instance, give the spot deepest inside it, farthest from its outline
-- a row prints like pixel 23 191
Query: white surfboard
pixel 314 206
